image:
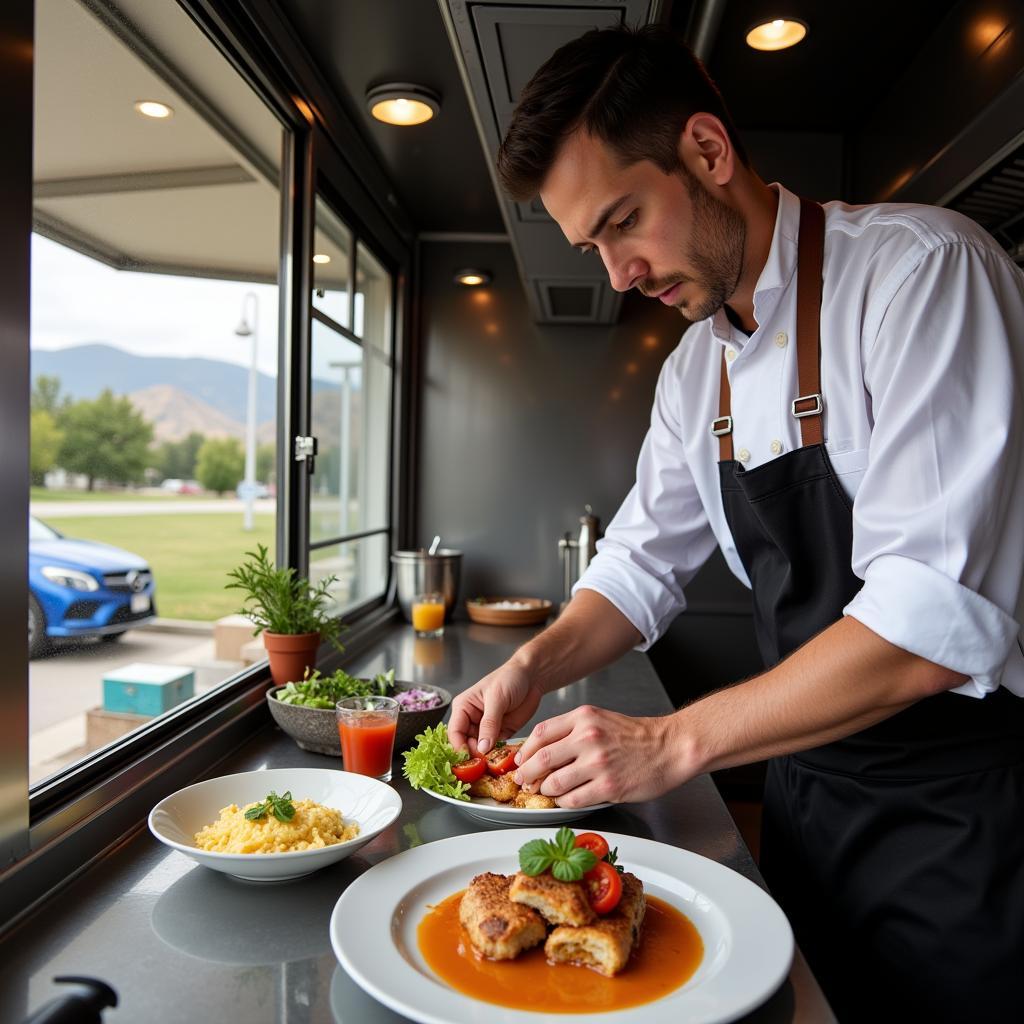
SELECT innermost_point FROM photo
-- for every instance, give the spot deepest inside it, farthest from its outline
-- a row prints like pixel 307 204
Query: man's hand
pixel 493 709
pixel 591 755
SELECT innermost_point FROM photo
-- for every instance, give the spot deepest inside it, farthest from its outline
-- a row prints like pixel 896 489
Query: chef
pixel 845 420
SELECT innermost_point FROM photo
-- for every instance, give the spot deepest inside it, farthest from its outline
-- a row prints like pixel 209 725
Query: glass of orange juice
pixel 366 726
pixel 428 615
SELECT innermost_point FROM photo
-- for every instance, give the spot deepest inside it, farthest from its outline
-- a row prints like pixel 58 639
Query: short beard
pixel 718 238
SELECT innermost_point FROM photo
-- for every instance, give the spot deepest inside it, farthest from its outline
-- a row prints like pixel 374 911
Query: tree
pixel 105 439
pixel 266 463
pixel 177 459
pixel 220 464
pixel 47 438
pixel 46 396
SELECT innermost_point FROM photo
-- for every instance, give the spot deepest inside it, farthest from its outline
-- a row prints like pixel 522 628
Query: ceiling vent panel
pixel 996 201
pixel 499 47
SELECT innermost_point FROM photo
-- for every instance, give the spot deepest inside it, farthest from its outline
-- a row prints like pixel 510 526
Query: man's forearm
pixel 844 680
pixel 588 635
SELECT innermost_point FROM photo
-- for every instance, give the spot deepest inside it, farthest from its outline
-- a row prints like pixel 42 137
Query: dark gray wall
pixel 971 59
pixel 522 424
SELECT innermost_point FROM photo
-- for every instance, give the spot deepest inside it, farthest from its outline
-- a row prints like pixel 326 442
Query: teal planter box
pixel 143 689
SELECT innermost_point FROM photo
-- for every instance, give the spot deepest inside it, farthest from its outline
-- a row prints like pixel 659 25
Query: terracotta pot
pixel 290 655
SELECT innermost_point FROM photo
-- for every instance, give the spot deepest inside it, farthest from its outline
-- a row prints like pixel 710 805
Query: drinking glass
pixel 367 726
pixel 428 615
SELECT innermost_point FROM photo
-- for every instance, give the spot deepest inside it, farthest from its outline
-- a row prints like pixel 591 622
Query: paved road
pixel 62 509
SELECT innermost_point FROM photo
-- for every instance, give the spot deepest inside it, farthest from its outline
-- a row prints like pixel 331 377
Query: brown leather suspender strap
pixel 722 427
pixel 809 405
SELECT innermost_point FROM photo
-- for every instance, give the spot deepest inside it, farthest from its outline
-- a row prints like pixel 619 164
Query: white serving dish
pixel 178 817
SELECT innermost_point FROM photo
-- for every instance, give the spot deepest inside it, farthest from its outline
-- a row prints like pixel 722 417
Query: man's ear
pixel 706 151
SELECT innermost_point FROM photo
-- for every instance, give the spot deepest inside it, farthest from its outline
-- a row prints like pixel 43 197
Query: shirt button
pixel 781 339
pixel 730 354
pixel 744 455
pixel 776 447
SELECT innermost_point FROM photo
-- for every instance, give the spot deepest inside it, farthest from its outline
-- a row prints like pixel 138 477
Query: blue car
pixel 81 588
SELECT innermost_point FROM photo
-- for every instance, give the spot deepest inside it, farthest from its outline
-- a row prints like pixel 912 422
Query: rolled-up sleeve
pixel 660 536
pixel 938 534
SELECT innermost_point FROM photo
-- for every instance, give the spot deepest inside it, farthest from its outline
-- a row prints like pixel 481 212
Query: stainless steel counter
pixel 180 943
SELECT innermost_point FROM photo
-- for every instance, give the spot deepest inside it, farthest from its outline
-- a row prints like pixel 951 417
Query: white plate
pixel 748 944
pixel 505 814
pixel 490 810
pixel 178 817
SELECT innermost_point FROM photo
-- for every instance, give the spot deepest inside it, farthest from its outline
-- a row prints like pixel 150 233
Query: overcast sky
pixel 77 300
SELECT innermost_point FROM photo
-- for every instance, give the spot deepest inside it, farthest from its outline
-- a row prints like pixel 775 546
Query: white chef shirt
pixel 922 373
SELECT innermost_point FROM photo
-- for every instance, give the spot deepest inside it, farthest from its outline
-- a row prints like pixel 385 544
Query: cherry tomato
pixel 604 887
pixel 502 760
pixel 471 770
pixel 593 842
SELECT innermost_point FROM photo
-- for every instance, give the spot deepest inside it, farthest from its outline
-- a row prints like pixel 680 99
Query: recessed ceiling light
pixel 403 103
pixel 777 34
pixel 321 257
pixel 472 278
pixel 153 108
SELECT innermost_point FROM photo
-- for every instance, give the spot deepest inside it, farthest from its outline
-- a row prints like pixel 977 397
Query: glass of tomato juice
pixel 367 729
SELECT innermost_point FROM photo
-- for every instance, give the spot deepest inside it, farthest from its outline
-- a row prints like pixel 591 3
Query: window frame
pixel 61 827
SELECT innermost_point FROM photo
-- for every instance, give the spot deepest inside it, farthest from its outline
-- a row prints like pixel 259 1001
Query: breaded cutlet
pixel 558 902
pixel 533 801
pixel 607 944
pixel 502 788
pixel 497 927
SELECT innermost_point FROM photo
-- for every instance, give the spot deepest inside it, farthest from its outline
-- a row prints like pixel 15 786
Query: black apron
pixel 898 852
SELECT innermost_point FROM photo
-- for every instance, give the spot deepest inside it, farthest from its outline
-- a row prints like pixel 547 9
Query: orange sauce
pixel 670 950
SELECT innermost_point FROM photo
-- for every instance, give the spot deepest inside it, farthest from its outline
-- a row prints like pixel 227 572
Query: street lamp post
pixel 243 330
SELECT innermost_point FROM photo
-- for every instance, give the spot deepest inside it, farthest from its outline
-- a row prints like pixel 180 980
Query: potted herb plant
pixel 293 617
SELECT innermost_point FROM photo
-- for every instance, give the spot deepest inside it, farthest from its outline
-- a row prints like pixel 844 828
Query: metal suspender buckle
pixel 721 426
pixel 815 410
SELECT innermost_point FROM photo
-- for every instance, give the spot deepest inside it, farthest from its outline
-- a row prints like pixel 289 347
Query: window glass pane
pixel 337 414
pixel 154 363
pixel 332 265
pixel 361 567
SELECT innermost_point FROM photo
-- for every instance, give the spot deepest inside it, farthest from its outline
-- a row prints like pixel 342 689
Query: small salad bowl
pixel 316 729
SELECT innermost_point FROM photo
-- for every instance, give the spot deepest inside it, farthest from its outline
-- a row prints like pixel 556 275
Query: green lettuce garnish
pixel 428 765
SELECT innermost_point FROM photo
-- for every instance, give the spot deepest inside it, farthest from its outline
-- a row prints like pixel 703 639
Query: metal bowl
pixel 419 572
pixel 316 729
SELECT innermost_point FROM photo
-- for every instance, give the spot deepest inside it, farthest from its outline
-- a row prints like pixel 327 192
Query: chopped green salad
pixel 428 765
pixel 317 691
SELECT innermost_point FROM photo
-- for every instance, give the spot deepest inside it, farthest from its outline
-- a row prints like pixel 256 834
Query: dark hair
pixel 633 88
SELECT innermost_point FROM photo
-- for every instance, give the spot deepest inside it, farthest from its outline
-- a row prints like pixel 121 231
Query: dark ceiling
pixel 852 57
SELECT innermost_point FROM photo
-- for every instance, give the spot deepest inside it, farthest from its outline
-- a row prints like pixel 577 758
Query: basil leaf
pixel 256 812
pixel 566 871
pixel 565 840
pixel 584 859
pixel 535 857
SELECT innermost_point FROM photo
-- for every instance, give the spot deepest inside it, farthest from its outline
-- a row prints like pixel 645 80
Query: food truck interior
pixel 431 358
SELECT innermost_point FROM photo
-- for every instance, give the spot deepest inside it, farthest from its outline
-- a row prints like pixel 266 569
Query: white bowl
pixel 369 803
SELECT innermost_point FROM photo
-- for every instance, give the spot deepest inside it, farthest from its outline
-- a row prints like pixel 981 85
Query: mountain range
pixel 178 395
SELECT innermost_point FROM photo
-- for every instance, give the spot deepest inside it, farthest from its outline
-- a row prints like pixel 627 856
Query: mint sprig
pixel 281 807
pixel 566 861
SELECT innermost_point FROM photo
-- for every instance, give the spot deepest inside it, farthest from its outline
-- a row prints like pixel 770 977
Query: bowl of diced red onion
pixel 316 729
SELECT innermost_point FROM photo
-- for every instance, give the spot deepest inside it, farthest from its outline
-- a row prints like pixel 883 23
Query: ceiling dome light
pixel 153 108
pixel 321 257
pixel 402 103
pixel 472 278
pixel 777 34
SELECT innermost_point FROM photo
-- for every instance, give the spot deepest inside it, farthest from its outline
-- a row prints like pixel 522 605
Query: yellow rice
pixel 313 827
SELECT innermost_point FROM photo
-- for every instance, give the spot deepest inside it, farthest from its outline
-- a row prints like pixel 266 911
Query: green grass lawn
pixel 46 494
pixel 190 554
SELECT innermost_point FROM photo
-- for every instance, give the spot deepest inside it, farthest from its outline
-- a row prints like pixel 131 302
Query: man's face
pixel 663 234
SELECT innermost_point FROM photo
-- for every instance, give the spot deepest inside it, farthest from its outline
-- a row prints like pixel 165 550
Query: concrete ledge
pixel 195 627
